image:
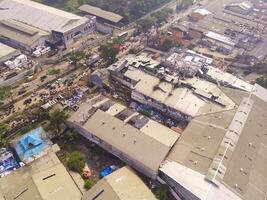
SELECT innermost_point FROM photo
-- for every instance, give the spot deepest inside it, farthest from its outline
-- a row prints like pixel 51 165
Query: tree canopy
pixel 56 119
pixel 262 81
pixel 109 52
pixel 167 44
pixel 76 161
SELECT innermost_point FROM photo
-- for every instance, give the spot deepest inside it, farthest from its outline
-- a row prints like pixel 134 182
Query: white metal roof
pixel 220 38
pixel 6 50
pixel 39 15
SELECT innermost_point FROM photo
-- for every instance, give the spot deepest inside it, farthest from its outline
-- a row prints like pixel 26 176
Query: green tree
pixel 108 52
pixel 72 135
pixel 88 184
pixel 143 25
pixel 56 119
pixel 4 128
pixel 75 57
pixel 167 44
pixel 76 161
pixel 54 71
pixel 162 15
pixel 262 81
pixel 4 93
pixel 163 193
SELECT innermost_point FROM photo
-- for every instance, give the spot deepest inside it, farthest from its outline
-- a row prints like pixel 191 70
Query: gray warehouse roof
pixel 21 32
pixel 134 143
pixel 44 179
pixel 5 51
pixel 122 184
pixel 39 15
pixel 110 16
pixel 227 148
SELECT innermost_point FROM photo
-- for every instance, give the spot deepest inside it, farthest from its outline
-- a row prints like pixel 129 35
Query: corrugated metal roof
pixel 122 184
pixel 228 148
pixel 110 16
pixel 6 50
pixel 129 140
pixel 18 31
pixel 39 15
pixel 46 178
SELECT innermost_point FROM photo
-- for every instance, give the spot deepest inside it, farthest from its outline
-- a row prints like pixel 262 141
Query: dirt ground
pixel 96 158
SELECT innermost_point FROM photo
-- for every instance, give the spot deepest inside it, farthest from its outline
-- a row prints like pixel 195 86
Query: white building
pixel 63 25
pixel 222 155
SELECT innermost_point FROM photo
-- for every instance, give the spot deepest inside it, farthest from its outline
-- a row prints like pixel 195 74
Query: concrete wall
pixel 28 48
pixel 83 29
pixel 104 29
pixel 15 79
pixel 179 190
pixel 9 56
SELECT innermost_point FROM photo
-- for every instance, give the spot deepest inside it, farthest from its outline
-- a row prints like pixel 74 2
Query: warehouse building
pixel 227 159
pixel 63 26
pixel 102 15
pixel 122 184
pixel 243 8
pixel 21 35
pixel 45 178
pixel 144 81
pixel 135 139
pixel 7 53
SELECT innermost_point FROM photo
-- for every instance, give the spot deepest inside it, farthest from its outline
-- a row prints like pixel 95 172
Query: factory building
pixel 227 159
pixel 21 35
pixel 243 8
pixel 63 26
pixel 7 53
pixel 143 80
pixel 140 142
pixel 121 184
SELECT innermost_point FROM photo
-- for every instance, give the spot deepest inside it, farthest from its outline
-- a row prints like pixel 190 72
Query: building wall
pixel 18 45
pixel 175 114
pixel 16 78
pixel 81 30
pixel 104 29
pixel 9 56
pixel 181 192
pixel 126 90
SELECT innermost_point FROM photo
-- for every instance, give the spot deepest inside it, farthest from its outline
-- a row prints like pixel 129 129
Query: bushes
pixel 262 81
pixel 76 161
pixel 88 184
pixel 72 135
pixel 163 193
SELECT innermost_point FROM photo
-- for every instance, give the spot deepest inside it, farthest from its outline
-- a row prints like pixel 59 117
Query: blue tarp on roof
pixel 31 144
pixel 7 161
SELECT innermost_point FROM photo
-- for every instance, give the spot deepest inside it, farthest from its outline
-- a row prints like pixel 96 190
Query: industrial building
pixel 63 26
pixel 122 184
pixel 135 139
pixel 107 16
pixel 236 30
pixel 7 53
pixel 243 8
pixel 189 64
pixel 144 80
pixel 21 35
pixel 45 178
pixel 227 159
